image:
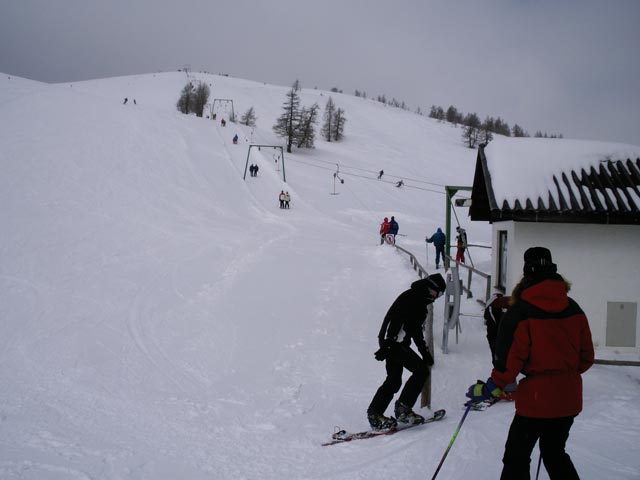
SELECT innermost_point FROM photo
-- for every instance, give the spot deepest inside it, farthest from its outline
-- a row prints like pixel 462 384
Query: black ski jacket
pixel 405 318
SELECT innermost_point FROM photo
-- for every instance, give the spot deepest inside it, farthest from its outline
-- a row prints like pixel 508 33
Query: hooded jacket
pixel 545 336
pixel 384 226
pixel 405 318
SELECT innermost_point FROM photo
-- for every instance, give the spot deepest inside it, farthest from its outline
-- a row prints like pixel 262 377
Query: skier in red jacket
pixel 384 229
pixel 545 336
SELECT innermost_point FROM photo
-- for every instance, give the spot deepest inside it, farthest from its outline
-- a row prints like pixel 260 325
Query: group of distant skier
pixel 389 230
pixel 399 183
pixel 284 199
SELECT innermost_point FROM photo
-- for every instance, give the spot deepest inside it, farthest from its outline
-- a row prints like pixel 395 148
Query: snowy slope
pixel 161 318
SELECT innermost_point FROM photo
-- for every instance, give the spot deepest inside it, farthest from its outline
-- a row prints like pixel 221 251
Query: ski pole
pixel 539 462
pixel 453 439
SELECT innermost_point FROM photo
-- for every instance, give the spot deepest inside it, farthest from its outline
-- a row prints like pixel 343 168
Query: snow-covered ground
pixel 162 318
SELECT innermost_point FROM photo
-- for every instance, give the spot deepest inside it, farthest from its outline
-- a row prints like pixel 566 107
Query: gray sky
pixel 560 66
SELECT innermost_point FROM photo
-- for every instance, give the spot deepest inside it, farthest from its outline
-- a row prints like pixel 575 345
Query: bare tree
pixel 200 99
pixel 186 99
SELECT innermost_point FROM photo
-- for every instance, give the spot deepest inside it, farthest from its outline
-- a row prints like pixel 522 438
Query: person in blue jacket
pixel 439 240
pixel 393 227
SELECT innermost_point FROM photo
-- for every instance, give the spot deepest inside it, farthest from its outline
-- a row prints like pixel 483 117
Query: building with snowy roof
pixel 580 199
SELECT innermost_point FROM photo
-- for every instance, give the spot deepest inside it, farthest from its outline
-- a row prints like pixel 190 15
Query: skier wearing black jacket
pixel 403 323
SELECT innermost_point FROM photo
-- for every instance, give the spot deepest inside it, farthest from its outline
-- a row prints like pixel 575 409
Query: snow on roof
pixel 523 168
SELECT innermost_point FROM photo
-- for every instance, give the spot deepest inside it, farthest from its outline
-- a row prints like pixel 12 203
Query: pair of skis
pixel 342 436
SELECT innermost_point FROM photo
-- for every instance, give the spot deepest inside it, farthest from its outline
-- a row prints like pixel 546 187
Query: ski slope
pixel 162 318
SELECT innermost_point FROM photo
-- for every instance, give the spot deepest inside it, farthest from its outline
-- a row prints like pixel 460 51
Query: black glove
pixel 383 352
pixel 427 358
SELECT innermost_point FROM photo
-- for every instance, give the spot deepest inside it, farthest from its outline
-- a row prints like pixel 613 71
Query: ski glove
pixel 383 351
pixel 427 358
pixel 481 391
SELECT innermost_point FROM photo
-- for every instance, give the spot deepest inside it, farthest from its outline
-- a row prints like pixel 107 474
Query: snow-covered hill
pixel 162 318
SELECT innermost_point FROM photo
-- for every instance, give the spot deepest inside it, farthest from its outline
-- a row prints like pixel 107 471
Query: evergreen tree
pixel 287 122
pixel 327 126
pixel 518 131
pixel 452 114
pixel 249 118
pixel 305 133
pixel 338 124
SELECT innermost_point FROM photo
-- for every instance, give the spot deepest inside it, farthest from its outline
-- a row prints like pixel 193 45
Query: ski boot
pixel 380 422
pixel 404 414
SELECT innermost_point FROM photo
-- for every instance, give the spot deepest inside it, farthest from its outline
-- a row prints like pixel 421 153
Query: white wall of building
pixel 602 263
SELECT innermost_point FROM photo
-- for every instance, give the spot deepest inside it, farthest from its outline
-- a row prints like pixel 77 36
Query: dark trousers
pixel 399 358
pixel 439 252
pixel 523 435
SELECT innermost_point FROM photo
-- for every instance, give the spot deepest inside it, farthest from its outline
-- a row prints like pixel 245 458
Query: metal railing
pixel 467 287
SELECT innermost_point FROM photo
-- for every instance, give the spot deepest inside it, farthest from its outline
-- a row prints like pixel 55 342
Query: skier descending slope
pixel 403 323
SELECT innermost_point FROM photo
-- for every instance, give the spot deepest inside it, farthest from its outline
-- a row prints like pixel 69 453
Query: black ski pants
pixel 400 357
pixel 523 435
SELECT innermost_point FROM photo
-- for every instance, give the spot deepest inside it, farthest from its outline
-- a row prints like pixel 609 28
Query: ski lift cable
pixel 387 175
pixel 365 177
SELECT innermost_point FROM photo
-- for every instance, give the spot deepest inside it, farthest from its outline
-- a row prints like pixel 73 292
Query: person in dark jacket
pixel 439 240
pixel 402 324
pixel 545 336
pixel 393 227
pixel 493 314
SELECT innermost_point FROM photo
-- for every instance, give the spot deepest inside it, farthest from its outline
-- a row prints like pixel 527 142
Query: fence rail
pixel 467 287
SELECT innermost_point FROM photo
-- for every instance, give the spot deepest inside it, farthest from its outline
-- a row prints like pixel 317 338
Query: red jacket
pixel 384 227
pixel 545 336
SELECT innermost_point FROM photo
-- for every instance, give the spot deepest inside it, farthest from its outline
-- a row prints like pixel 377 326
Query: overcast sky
pixel 559 66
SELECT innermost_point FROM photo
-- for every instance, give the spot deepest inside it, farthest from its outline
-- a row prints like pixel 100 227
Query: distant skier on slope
pixel 402 324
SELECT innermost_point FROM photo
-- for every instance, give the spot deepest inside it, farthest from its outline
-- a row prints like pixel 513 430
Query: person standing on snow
pixel 461 244
pixel 393 227
pixel 439 240
pixel 384 229
pixel 287 199
pixel 281 198
pixel 402 324
pixel 545 336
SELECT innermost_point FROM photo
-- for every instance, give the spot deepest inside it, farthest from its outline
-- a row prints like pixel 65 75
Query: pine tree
pixel 249 118
pixel 287 122
pixel 338 124
pixel 305 133
pixel 327 126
